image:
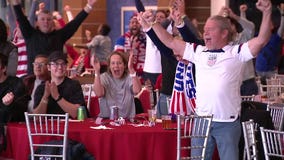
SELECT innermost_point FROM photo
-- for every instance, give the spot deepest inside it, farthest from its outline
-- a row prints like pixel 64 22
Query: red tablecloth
pixel 144 97
pixel 121 143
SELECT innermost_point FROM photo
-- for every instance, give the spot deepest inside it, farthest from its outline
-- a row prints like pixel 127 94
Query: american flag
pixel 183 96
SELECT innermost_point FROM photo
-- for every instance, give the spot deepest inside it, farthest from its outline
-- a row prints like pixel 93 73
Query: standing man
pixel 222 63
pixel 135 40
pixel 45 39
pixel 61 94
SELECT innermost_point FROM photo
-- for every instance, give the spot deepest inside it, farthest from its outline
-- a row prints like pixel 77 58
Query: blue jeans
pixel 226 135
pixel 162 107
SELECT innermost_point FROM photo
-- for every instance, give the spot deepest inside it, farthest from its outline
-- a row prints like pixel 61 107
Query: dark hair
pixel 41 56
pixel 124 59
pixel 3 60
pixel 104 29
pixel 3 31
pixel 162 11
pixel 236 24
pixel 56 55
pixel 275 19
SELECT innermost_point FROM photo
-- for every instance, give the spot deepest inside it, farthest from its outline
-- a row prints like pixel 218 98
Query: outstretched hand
pixel 130 63
pixel 92 2
pixel 264 5
pixel 95 63
pixel 143 22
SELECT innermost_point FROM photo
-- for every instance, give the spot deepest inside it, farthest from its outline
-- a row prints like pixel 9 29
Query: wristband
pixel 89 6
pixel 59 98
pixel 132 75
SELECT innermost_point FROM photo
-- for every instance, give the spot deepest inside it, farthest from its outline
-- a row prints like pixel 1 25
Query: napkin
pixel 101 127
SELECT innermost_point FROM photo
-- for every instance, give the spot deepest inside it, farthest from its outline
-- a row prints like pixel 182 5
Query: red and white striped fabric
pixel 22 58
pixel 183 96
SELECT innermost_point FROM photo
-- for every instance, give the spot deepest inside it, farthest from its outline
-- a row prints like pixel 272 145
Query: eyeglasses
pixel 39 64
pixel 58 64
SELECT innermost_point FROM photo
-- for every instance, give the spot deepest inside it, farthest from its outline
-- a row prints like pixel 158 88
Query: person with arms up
pixel 222 63
pixel 117 86
pixel 135 40
pixel 61 94
pixel 249 86
pixel 45 39
pixel 266 63
pixel 100 45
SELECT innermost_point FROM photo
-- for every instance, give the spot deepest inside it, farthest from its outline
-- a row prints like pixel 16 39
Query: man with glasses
pixel 61 94
pixel 40 75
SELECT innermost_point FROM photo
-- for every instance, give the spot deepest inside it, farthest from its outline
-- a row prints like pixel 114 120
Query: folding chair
pixel 272 141
pixel 277 115
pixel 194 127
pixel 53 126
pixel 248 98
pixel 250 149
pixel 272 91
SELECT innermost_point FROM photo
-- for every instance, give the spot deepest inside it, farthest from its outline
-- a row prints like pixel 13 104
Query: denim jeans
pixel 162 107
pixel 226 135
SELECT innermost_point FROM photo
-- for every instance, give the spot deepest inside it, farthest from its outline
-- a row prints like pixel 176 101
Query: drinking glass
pixel 152 116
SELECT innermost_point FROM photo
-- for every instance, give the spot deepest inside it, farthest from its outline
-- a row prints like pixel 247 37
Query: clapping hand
pixel 46 93
pixel 54 90
pixel 8 98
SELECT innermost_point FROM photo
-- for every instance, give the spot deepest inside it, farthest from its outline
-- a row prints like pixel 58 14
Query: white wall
pixel 216 5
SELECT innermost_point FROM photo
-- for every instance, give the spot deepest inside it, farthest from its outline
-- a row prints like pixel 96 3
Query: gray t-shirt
pixel 118 92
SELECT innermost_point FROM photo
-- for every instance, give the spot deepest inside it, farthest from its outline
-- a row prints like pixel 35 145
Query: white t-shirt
pixel 218 80
pixel 152 62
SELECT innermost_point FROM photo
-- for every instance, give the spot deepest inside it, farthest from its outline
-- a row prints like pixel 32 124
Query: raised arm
pixel 32 12
pixel 139 6
pixel 179 7
pixel 257 43
pixel 136 84
pixel 98 87
pixel 248 26
pixel 281 27
pixel 176 45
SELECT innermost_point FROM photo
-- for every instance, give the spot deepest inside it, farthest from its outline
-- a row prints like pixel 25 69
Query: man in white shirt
pixel 218 74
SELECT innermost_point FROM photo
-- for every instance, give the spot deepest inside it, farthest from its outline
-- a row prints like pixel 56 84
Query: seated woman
pixel 60 95
pixel 117 86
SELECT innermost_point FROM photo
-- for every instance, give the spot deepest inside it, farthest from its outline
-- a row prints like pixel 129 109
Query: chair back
pixel 250 149
pixel 247 98
pixel 194 128
pixel 53 126
pixel 272 142
pixel 277 115
pixel 272 91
